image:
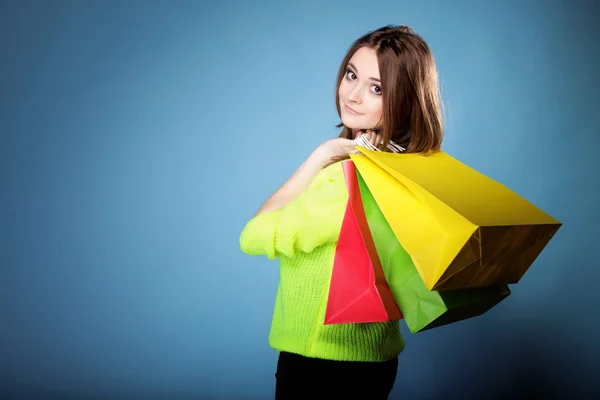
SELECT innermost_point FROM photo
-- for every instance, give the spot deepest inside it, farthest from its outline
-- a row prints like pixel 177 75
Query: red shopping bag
pixel 358 291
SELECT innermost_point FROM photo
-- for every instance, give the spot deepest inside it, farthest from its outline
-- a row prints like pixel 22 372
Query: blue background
pixel 137 138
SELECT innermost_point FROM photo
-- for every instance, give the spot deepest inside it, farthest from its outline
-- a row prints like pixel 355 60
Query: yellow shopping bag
pixel 461 228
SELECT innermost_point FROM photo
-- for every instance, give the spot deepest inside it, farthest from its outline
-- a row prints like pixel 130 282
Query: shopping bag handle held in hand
pixel 364 142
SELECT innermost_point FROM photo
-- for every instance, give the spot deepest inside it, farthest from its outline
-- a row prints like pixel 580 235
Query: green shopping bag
pixel 422 309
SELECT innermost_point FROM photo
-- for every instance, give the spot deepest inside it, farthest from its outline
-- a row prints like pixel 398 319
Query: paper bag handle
pixel 364 142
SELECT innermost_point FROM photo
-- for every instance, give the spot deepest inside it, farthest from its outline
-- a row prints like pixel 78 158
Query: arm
pixel 306 211
pixel 298 182
pixel 327 153
pixel 310 220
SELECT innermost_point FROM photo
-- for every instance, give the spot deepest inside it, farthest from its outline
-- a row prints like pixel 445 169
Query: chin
pixel 352 123
pixel 354 126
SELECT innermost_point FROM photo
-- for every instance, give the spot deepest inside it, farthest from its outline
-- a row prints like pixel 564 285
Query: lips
pixel 351 111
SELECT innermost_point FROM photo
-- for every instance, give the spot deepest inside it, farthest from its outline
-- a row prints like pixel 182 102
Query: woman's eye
pixel 376 90
pixel 350 74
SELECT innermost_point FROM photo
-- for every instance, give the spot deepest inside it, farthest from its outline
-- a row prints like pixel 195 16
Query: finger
pixel 379 139
pixel 374 139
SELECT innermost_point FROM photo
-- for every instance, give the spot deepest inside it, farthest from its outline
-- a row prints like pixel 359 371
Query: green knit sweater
pixel 303 235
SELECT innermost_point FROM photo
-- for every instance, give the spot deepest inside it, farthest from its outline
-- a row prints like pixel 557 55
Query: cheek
pixel 342 90
pixel 376 108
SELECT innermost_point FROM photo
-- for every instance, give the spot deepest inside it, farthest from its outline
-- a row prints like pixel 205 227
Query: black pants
pixel 300 377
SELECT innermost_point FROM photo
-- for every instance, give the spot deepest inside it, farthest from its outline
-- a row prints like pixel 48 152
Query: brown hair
pixel 412 109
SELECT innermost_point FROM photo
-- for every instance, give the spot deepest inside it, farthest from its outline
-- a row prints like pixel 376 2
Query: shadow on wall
pixel 530 373
pixel 521 365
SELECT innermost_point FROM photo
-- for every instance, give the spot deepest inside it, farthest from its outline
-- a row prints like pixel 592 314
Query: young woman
pixel 387 90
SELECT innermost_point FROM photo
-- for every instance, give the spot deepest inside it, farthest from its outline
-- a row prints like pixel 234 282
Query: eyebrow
pixel 354 68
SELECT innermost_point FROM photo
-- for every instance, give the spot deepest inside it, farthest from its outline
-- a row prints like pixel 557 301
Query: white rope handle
pixel 364 142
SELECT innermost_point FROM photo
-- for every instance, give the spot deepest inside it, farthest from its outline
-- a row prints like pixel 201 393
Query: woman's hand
pixel 373 137
pixel 339 148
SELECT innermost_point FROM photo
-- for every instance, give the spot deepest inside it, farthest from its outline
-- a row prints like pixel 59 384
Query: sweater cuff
pixel 258 236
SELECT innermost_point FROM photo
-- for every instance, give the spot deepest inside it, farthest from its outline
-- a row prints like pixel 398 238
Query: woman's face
pixel 361 101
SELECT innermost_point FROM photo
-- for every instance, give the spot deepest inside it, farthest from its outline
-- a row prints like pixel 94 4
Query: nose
pixel 355 95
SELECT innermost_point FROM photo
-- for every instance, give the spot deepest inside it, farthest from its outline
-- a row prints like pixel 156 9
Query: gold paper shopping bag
pixel 461 228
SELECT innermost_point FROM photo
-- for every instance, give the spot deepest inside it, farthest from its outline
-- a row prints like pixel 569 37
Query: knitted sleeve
pixel 311 220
